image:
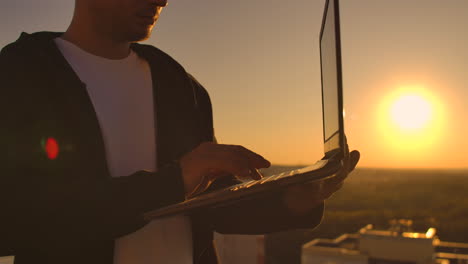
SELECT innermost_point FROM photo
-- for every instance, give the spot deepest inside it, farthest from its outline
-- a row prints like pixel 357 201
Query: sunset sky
pixel 259 60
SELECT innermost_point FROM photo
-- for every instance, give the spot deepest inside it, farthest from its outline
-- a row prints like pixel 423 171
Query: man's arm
pixel 265 214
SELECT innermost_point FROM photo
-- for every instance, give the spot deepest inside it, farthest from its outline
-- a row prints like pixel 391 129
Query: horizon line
pixel 386 168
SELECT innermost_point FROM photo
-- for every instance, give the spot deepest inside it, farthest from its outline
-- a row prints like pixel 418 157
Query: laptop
pixel 333 134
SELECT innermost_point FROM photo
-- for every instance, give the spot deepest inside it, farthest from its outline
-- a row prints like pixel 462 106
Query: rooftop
pixel 398 244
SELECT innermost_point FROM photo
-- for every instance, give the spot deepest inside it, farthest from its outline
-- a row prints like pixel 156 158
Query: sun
pixel 411 112
pixel 410 120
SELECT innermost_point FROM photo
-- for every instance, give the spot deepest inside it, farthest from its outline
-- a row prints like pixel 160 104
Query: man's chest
pixel 67 130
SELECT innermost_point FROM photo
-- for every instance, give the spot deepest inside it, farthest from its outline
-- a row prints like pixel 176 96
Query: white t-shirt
pixel 122 94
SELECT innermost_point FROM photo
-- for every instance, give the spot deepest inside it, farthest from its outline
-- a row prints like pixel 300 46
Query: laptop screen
pixel 330 57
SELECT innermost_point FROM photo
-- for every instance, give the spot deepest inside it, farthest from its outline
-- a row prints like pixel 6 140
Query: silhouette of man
pixel 98 129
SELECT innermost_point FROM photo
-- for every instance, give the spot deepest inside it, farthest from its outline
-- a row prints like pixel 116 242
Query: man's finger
pixel 229 151
pixel 235 164
pixel 256 175
pixel 162 3
pixel 256 160
pixel 240 161
pixel 354 157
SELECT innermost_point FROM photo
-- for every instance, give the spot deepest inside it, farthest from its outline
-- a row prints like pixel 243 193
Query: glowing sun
pixel 411 120
pixel 411 112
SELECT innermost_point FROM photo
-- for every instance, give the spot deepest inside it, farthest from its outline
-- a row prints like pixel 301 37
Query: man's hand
pixel 301 199
pixel 209 160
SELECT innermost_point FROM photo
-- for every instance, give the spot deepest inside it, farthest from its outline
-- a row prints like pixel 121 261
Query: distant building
pixel 398 245
pixel 7 260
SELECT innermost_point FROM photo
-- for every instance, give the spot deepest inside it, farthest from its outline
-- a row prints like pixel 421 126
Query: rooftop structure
pixel 398 245
pixel 7 260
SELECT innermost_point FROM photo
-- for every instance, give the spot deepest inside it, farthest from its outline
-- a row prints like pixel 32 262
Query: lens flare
pixel 51 148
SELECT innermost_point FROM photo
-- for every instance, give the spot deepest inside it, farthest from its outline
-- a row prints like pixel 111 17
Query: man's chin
pixel 141 35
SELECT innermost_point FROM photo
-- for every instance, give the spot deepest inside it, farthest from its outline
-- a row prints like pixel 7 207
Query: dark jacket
pixel 69 209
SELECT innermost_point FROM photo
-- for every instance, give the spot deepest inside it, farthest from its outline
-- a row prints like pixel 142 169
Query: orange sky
pixel 260 63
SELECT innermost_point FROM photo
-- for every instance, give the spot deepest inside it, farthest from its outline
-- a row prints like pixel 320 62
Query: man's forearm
pixel 87 211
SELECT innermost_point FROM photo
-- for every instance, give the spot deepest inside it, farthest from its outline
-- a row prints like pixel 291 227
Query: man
pixel 98 130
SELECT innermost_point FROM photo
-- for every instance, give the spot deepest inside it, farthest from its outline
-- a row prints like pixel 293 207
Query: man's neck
pixel 96 44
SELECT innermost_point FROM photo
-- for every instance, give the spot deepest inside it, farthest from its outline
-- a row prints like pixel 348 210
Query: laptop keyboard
pixel 228 193
pixel 248 184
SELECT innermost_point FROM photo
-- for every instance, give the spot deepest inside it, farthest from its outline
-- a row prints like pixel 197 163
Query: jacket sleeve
pixel 41 207
pixel 259 215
